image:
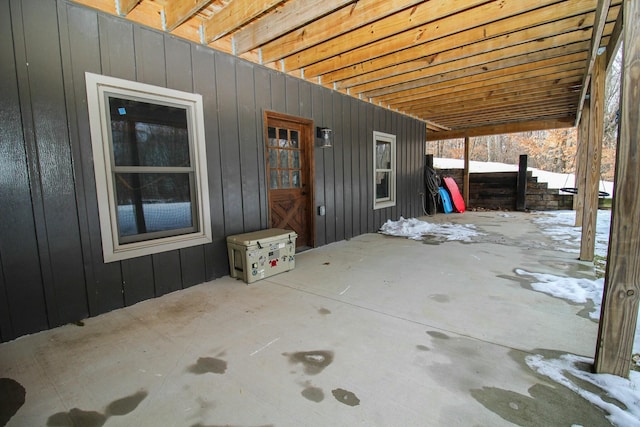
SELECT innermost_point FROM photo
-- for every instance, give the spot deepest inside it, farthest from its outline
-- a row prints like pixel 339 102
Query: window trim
pixel 98 86
pixel 391 200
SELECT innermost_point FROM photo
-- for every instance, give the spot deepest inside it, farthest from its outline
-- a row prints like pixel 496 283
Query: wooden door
pixel 289 147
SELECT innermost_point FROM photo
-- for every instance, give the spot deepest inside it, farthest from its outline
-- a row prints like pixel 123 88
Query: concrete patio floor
pixel 374 331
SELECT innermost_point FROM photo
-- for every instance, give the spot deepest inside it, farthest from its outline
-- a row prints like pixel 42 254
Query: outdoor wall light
pixel 325 137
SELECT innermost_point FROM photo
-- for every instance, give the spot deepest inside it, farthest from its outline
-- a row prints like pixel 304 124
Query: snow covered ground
pixel 567 368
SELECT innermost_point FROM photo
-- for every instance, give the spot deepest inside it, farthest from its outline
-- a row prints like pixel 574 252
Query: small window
pixel 150 165
pixel 384 166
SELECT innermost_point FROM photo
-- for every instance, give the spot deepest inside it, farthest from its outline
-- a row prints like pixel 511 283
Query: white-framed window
pixel 384 170
pixel 150 167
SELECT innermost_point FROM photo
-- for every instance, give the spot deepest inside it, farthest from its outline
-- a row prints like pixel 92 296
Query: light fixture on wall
pixel 324 134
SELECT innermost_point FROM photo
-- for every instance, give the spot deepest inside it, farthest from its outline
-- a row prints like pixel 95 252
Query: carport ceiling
pixel 463 67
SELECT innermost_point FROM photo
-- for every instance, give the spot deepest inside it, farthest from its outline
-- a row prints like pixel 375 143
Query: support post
pixel 521 191
pixel 622 278
pixel 581 161
pixel 465 175
pixel 594 155
pixel 430 205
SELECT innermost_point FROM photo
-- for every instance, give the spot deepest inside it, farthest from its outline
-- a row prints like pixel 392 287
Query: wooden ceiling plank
pixel 454 85
pixel 294 14
pixel 126 6
pixel 511 117
pixel 602 11
pixel 527 67
pixel 490 101
pixel 175 13
pixel 483 63
pixel 532 106
pixel 234 15
pixel 337 23
pixel 435 96
pixel 492 12
pixel 502 129
pixel 420 14
pixel 521 88
pixel 467 43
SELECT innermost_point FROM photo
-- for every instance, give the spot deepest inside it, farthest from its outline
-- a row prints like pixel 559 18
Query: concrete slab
pixel 375 331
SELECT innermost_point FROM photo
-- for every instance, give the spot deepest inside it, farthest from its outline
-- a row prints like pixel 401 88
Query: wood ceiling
pixel 468 67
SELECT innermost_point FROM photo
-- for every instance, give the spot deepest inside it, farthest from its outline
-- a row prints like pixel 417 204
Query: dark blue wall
pixel 51 268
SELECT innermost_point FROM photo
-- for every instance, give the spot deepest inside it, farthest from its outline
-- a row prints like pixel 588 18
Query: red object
pixel 456 197
pixel 274 263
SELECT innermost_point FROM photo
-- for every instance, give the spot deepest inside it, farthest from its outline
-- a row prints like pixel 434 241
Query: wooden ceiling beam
pixel 489 102
pixel 500 86
pixel 519 89
pixel 293 14
pixel 464 44
pixel 125 6
pixel 456 78
pixel 480 64
pixel 419 14
pixel 498 129
pixel 337 23
pixel 602 11
pixel 477 120
pixel 175 13
pixel 449 26
pixel 234 15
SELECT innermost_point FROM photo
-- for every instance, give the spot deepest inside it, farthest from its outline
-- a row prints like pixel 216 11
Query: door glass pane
pixel 294 138
pixel 271 134
pixel 273 158
pixel 150 202
pixel 284 140
pixel 296 160
pixel 284 177
pixel 284 159
pixel 273 179
pixel 295 179
pixel 383 155
pixel 382 185
pixel 138 138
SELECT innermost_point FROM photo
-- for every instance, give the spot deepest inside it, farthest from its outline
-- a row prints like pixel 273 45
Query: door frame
pixel 310 154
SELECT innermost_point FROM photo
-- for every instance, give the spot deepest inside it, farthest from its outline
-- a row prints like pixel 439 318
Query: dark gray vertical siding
pixel 329 180
pixel 248 131
pixel 319 184
pixel 225 74
pixel 56 222
pixel 346 145
pixel 338 162
pixel 205 84
pixel 22 305
pixel 262 87
pixel 51 262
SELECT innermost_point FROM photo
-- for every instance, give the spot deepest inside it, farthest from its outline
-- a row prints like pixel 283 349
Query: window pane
pixel 146 134
pixel 284 179
pixel 294 138
pixel 273 179
pixel 382 185
pixel 153 202
pixel 383 155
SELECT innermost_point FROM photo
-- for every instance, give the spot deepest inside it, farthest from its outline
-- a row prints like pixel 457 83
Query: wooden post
pixel 431 206
pixel 465 175
pixel 521 192
pixel 581 161
pixel 622 278
pixel 594 155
